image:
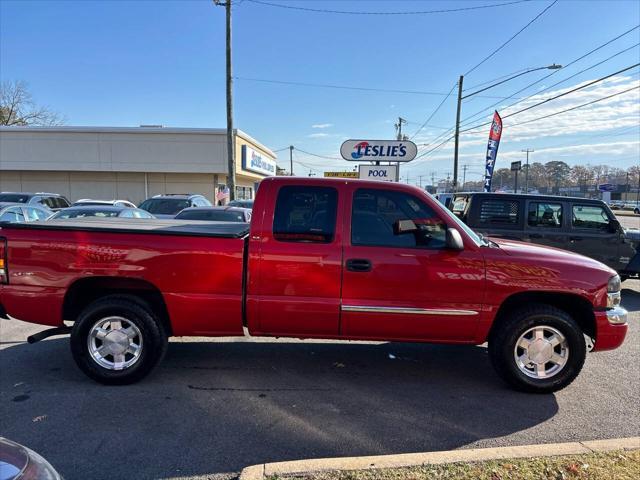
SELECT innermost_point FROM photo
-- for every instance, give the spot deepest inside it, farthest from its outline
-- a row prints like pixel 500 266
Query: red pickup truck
pixel 324 259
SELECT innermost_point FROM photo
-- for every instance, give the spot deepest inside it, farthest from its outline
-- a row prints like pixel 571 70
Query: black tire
pixel 153 341
pixel 502 347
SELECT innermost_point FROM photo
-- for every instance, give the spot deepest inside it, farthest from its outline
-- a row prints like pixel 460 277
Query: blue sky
pixel 126 63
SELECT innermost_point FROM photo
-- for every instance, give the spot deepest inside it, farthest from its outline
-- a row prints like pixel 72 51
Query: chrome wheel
pixel 541 352
pixel 115 343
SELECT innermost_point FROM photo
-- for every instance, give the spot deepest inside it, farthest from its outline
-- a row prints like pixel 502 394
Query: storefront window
pixel 244 193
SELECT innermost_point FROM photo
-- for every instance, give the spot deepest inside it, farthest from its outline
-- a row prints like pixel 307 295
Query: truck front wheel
pixel 117 340
pixel 538 349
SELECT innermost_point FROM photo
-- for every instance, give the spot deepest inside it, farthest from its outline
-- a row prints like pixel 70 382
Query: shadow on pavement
pixel 219 406
pixel 630 299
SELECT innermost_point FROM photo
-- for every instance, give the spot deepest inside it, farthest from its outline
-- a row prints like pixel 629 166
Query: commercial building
pixel 129 163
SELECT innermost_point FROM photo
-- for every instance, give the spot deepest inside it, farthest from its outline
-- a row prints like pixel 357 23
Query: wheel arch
pixel 579 308
pixel 85 291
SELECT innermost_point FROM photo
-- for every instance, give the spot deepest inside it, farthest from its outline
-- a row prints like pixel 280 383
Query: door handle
pixel 358 265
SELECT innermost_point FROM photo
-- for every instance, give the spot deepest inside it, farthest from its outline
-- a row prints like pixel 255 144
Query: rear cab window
pixel 305 214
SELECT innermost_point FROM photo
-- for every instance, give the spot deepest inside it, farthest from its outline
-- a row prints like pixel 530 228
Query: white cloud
pixel 318 135
pixel 322 125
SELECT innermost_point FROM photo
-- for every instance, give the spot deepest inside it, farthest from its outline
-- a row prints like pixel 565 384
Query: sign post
pixel 516 167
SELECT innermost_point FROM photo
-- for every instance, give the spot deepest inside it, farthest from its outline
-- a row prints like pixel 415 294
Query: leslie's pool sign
pixel 378 150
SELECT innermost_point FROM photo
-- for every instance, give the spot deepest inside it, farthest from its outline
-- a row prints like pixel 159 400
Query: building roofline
pixel 174 130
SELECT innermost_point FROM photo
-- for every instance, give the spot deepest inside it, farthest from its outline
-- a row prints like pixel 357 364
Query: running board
pixel 48 333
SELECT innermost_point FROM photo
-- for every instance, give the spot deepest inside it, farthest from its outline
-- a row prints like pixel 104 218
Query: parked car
pixel 616 204
pixel 216 214
pixel 241 203
pixel 18 212
pixel 113 203
pixel 100 212
pixel 580 225
pixel 18 462
pixel 323 258
pixel 52 201
pixel 634 206
pixel 167 206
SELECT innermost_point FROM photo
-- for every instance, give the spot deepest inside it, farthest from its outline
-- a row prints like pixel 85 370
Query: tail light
pixel 4 274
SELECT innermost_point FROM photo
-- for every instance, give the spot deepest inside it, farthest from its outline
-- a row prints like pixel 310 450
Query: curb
pixel 263 470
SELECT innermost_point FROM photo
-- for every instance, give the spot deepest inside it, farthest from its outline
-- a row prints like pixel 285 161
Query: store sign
pixel 386 173
pixel 341 174
pixel 378 150
pixel 254 161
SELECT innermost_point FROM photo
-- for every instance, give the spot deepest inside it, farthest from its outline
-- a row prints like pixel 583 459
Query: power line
pixel 440 145
pixel 415 12
pixel 599 47
pixel 568 92
pixel 576 107
pixel 317 155
pixel 435 111
pixel 512 37
pixel 347 87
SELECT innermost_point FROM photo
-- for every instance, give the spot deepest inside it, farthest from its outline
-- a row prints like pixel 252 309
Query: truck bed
pixel 141 226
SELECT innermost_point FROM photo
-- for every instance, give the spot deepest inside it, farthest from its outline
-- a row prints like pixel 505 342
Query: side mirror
pixel 454 240
pixel 400 227
pixel 614 226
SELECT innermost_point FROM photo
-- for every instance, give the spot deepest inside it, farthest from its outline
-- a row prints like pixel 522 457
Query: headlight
pixel 614 284
pixel 613 292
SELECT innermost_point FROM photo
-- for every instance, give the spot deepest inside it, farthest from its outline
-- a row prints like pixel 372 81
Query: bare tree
pixel 17 107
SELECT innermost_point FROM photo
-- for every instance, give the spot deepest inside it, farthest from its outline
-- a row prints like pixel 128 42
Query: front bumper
pixel 611 328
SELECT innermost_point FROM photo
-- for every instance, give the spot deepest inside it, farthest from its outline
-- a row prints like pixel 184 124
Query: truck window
pixel 499 213
pixel 305 214
pixel 546 215
pixel 375 211
pixel 590 217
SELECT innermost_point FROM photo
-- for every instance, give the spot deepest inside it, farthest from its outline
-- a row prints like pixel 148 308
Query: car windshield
pixel 13 198
pixel 86 212
pixel 477 239
pixel 164 206
pixel 212 215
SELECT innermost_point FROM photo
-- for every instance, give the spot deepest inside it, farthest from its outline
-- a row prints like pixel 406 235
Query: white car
pixel 85 202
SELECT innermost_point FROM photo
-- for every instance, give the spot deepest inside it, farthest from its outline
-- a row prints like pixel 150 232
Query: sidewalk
pixel 261 471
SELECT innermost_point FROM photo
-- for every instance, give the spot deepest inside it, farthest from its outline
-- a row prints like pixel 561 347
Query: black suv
pixel 52 201
pixel 168 205
pixel 580 225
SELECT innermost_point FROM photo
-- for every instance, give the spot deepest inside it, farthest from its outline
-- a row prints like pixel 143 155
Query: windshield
pixel 13 198
pixel 86 212
pixel 164 206
pixel 212 215
pixel 477 239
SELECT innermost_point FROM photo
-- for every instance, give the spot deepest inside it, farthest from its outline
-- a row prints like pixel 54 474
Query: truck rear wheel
pixel 117 340
pixel 538 349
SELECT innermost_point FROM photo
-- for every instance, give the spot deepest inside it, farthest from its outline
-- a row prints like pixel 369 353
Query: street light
pixel 461 97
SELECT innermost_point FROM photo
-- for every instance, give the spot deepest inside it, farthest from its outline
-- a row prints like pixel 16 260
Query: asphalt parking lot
pixel 628 220
pixel 214 407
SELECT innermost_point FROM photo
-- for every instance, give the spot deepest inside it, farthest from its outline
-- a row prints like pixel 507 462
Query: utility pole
pixel 398 126
pixel 457 136
pixel 291 160
pixel 433 179
pixel 526 172
pixel 231 158
pixel 464 175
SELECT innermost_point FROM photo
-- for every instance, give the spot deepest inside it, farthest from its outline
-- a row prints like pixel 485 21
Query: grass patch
pixel 616 465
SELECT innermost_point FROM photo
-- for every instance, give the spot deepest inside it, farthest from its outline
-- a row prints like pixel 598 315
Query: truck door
pixel 545 224
pixel 295 262
pixel 592 236
pixel 406 286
